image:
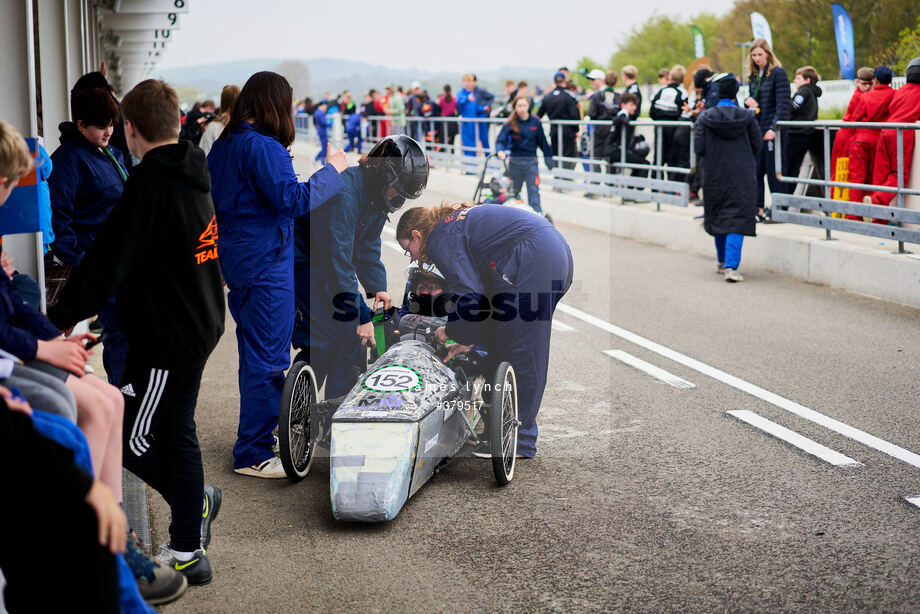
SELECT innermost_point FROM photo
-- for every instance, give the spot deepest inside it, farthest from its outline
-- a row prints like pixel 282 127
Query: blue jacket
pixel 43 171
pixel 353 124
pixel 773 97
pixel 476 107
pixel 85 185
pixel 474 250
pixel 335 247
pixel 322 126
pixel 256 197
pixel 524 144
pixel 21 327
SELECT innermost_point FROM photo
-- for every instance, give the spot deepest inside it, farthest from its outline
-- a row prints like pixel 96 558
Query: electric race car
pixel 405 416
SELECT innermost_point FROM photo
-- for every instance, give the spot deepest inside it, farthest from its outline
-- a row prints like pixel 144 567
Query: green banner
pixel 699 43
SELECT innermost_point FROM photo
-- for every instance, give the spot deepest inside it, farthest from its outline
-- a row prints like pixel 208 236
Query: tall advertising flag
pixel 843 30
pixel 699 43
pixel 761 28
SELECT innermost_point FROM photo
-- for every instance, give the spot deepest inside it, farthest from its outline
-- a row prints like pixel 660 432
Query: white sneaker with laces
pixel 731 275
pixel 270 468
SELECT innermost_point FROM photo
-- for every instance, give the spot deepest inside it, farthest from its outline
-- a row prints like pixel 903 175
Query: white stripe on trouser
pixel 138 442
pixel 146 426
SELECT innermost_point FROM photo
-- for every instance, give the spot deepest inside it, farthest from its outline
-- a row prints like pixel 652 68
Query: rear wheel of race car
pixel 295 439
pixel 503 423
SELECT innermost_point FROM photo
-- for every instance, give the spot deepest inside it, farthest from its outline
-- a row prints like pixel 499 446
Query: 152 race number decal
pixel 393 378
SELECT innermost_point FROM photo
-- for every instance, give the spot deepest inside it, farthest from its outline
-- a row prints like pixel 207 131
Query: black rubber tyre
pixel 503 423
pixel 296 441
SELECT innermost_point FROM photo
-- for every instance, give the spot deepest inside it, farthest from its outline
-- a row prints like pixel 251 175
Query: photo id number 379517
pixel 461 404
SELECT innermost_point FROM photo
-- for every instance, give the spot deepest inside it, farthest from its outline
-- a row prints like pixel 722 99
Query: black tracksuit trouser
pixel 161 443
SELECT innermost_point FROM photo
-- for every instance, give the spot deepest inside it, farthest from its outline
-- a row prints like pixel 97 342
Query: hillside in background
pixel 316 76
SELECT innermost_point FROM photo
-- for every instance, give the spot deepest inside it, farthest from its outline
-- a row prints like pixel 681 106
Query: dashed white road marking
pixel 562 327
pixel 915 500
pixel 876 443
pixel 638 363
pixel 799 441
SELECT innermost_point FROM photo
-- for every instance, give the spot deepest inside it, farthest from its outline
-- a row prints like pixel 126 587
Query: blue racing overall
pixel 256 196
pixel 322 132
pixel 523 165
pixel 522 266
pixel 474 104
pixel 85 183
pixel 335 247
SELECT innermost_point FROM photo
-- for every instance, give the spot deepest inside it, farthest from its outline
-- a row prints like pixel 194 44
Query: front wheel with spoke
pixel 503 423
pixel 295 439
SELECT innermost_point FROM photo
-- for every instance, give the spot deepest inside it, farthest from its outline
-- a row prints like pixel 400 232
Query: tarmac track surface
pixel 644 496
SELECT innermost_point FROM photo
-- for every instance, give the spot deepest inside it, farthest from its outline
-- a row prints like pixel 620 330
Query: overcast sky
pixel 455 35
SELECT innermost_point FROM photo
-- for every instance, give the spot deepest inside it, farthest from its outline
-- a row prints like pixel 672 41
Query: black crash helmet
pixel 417 274
pixel 913 71
pixel 398 162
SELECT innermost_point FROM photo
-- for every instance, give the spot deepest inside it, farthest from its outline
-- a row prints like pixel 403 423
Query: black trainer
pixel 197 570
pixel 209 509
pixel 157 583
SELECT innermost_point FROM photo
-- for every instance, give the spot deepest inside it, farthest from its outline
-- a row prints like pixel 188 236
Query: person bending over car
pixel 515 260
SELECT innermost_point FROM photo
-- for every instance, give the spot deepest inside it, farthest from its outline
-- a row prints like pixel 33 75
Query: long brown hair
pixel 424 219
pixel 267 101
pixel 761 43
pixel 228 96
pixel 514 121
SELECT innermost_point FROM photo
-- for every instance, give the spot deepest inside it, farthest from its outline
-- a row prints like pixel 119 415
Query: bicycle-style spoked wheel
pixel 296 441
pixel 503 423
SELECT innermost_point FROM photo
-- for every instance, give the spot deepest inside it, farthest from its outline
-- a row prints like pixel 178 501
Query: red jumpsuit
pixel 904 108
pixel 844 135
pixel 872 107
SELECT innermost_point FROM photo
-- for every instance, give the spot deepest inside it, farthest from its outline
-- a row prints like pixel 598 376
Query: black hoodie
pixel 157 253
pixel 727 140
pixel 805 107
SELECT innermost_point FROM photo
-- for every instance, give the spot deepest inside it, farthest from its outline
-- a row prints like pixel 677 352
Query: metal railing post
pixel 658 157
pixel 558 138
pixel 826 135
pixel 692 147
pixel 900 139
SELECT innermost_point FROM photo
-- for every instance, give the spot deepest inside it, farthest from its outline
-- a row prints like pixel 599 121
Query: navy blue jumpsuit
pixel 85 183
pixel 256 196
pixel 523 265
pixel 322 132
pixel 523 165
pixel 335 247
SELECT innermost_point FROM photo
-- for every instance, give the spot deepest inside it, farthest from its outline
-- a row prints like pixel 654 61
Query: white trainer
pixel 731 275
pixel 270 468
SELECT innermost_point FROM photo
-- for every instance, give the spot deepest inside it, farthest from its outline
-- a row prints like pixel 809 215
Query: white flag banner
pixel 761 28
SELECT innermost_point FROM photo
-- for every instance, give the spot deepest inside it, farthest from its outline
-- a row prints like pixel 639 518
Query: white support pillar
pixel 72 11
pixel 18 104
pixel 55 82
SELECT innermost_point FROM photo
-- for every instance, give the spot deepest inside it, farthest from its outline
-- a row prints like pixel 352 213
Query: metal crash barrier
pixel 884 222
pixel 440 136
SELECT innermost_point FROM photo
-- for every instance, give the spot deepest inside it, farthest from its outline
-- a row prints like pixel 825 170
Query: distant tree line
pixel 884 32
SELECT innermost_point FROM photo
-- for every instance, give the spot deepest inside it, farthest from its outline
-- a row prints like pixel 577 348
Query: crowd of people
pixel 158 238
pixel 867 156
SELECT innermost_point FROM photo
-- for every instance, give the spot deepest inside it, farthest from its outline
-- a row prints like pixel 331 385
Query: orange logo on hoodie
pixel 207 243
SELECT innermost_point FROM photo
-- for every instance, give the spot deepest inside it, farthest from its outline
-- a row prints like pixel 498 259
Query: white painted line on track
pixel 562 327
pixel 876 443
pixel 638 363
pixel 915 500
pixel 799 441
